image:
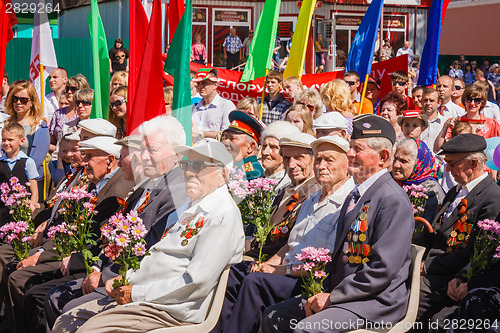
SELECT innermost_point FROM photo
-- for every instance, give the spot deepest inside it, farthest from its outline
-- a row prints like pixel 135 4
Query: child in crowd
pixel 412 124
pixel 400 82
pixel 291 87
pixel 300 116
pixel 15 163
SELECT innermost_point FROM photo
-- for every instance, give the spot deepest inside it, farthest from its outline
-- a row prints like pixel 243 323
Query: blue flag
pixel 360 56
pixel 430 56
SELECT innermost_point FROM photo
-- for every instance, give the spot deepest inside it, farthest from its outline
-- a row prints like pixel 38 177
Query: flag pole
pixel 363 94
pixel 41 88
pixel 263 95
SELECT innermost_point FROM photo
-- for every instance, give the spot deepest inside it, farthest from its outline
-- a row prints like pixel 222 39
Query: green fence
pixel 75 55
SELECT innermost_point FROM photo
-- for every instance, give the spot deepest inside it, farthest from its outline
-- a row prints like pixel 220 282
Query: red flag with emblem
pixel 7 21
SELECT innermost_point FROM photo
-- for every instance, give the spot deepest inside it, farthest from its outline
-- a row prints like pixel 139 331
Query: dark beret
pixel 463 143
pixel 372 126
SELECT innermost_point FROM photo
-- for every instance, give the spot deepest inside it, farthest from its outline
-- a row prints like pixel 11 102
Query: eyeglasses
pixel 351 83
pixel 84 103
pixel 398 83
pixel 196 165
pixel 453 164
pixel 120 56
pixel 477 100
pixel 458 87
pixel 117 103
pixel 73 89
pixel 309 106
pixel 23 100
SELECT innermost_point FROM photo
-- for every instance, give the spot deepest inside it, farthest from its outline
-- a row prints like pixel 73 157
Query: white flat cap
pixel 279 129
pixel 330 120
pixel 332 139
pixel 105 143
pixel 98 126
pixel 73 136
pixel 210 148
pixel 302 140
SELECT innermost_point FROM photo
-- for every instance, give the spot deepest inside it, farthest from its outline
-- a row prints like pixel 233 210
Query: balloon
pixel 491 149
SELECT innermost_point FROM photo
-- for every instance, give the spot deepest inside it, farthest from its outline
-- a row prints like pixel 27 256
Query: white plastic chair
pixel 405 324
pixel 213 314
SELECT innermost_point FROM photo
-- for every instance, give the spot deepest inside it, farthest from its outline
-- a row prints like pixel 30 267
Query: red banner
pixel 231 88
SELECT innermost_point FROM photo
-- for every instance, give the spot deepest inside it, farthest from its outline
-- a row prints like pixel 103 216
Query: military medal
pixel 355 238
pixel 351 259
pixel 461 237
pixel 362 237
pixel 365 260
pixel 357 259
pixel 345 259
pixel 453 233
pixel 190 232
pixel 184 242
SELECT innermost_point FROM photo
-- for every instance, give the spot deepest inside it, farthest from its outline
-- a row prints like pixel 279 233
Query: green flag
pixel 100 105
pixel 263 43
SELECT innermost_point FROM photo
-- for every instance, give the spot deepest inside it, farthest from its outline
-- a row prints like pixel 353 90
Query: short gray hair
pixel 479 156
pixel 170 127
pixel 409 146
pixel 378 144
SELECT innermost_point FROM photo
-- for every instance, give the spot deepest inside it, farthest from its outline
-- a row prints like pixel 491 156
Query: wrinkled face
pixel 56 80
pixel 444 88
pixel 74 154
pixel 291 89
pixel 236 144
pixel 417 98
pixel 118 105
pixel 207 88
pixel 97 164
pixel 430 103
pixel 295 119
pixel 459 167
pixel 11 142
pixel 207 180
pixel 273 86
pixel 402 165
pixel 362 159
pixel 412 127
pixel 21 102
pixel 271 158
pixel 125 163
pixel 388 111
pixel 321 132
pixel 372 92
pixel 298 163
pixel 330 165
pixel 158 157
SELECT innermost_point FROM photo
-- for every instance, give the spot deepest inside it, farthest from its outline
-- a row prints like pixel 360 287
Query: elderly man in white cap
pixel 275 280
pixel 107 184
pixel 174 285
pixel 331 123
pixel 271 159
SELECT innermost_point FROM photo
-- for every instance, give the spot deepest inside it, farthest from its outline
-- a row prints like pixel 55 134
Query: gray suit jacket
pixel 377 290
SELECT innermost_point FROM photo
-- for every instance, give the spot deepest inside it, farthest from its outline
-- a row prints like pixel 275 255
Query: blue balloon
pixel 492 144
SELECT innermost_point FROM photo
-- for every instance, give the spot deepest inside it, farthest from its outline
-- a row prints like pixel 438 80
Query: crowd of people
pixel 339 161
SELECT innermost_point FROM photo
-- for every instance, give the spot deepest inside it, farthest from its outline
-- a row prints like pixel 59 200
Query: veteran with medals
pixel 371 258
pixel 475 198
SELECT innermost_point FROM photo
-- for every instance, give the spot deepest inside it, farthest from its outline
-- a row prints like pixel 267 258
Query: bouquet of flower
pixel 74 234
pixel 17 233
pixel 255 199
pixel 486 247
pixel 418 197
pixel 314 261
pixel 125 243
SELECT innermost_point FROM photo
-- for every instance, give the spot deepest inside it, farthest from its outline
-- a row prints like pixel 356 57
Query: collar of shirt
pixel 291 190
pixel 213 104
pixel 439 119
pixel 363 187
pixel 452 106
pixel 336 198
pixel 20 155
pixel 358 97
pixel 470 185
pixel 100 184
pixel 204 205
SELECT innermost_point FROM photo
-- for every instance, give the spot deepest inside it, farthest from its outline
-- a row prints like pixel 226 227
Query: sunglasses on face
pixel 120 56
pixel 117 103
pixel 84 103
pixel 309 106
pixel 351 83
pixel 23 100
pixel 458 88
pixel 196 165
pixel 72 89
pixel 477 100
pixel 398 83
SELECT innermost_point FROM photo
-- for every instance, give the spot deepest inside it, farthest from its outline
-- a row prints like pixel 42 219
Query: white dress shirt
pixel 462 193
pixel 491 110
pixel 213 117
pixel 180 279
pixel 317 222
pixel 50 106
pixel 452 110
pixel 430 134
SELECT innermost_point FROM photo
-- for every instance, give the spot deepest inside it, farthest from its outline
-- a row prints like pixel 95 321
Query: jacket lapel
pixel 102 192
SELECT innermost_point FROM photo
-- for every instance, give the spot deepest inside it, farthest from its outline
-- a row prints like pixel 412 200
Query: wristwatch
pixel 288 269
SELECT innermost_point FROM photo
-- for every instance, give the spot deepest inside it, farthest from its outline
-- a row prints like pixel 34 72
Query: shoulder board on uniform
pixel 247 167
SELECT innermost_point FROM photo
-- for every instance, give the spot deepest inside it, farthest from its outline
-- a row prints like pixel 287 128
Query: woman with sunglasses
pixel 392 106
pixel 117 114
pixel 66 116
pixel 83 103
pixel 312 100
pixel 23 107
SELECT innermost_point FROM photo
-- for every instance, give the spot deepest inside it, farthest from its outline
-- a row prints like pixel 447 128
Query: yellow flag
pixel 299 42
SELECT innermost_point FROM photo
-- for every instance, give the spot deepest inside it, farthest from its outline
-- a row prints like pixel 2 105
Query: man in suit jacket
pixel 101 162
pixel 165 189
pixel 475 198
pixel 371 258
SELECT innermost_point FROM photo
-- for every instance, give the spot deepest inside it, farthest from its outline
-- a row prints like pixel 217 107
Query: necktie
pixel 441 109
pixel 354 197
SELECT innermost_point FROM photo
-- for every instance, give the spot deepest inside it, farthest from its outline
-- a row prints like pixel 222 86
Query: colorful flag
pixel 175 11
pixel 263 43
pixel 178 65
pixel 42 50
pixel 430 55
pixel 7 20
pixel 148 100
pixel 100 105
pixel 360 56
pixel 295 64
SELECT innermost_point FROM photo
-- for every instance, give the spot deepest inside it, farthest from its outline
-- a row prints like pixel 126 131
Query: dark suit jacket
pixel 482 203
pixel 378 289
